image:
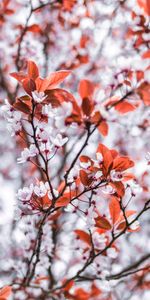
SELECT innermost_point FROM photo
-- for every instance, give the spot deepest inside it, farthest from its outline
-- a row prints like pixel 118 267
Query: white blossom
pixel 41 189
pixel 91 214
pixel 25 193
pixel 58 141
pixel 99 240
pixel 111 252
pixel 27 153
pixel 38 96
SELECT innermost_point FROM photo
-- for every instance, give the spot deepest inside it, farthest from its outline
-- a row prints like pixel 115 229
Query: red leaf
pixel 5 292
pixel 62 201
pixel 114 209
pixel 121 226
pixel 5 3
pixel 68 286
pixel 144 92
pixel 119 187
pixel 87 106
pixel 84 236
pixel 86 88
pixel 145 5
pixel 122 163
pixel 58 96
pixel 128 176
pixel 124 107
pixel 85 179
pixel 45 201
pixel 103 223
pixel 34 28
pixel 95 291
pixel 68 5
pixel 54 79
pixel 103 128
pixel 81 294
pixel 29 86
pixel 107 158
pixel 96 118
pixel 20 105
pixel 19 76
pixel 85 159
pixel 146 54
pixel 139 75
pixel 33 71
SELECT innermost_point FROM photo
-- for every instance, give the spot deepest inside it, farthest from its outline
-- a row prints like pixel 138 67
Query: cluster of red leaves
pixel 116 222
pixel 83 114
pixel 141 29
pixel 110 161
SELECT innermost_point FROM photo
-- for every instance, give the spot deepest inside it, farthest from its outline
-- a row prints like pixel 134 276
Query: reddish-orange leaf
pixel 5 3
pixel 34 28
pixel 128 176
pixel 29 85
pixel 103 128
pixel 39 82
pixel 5 292
pixel 114 208
pixel 87 106
pixel 144 92
pixel 95 291
pixel 103 223
pixel 58 96
pixel 139 75
pixel 86 88
pixel 122 163
pixel 146 54
pixel 68 5
pixel 119 187
pixel 62 201
pixel 46 202
pixel 121 226
pixel 68 286
pixel 114 153
pixel 96 118
pixel 107 157
pixel 85 179
pixel 54 79
pixel 20 105
pixel 81 294
pixel 124 107
pixel 145 5
pixel 84 236
pixel 33 71
pixel 19 76
pixel 85 159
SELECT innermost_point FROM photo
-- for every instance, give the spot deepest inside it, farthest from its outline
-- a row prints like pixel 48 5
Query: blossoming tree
pixel 75 96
